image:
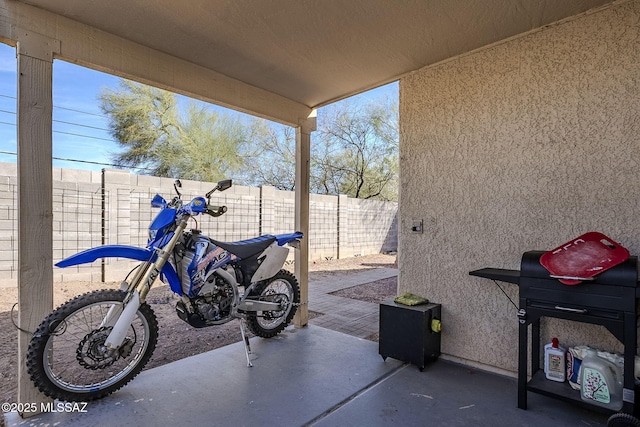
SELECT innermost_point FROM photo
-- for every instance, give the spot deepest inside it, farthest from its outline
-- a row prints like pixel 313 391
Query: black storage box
pixel 406 333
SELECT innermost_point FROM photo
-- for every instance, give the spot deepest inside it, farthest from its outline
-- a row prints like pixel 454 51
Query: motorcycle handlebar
pixel 215 211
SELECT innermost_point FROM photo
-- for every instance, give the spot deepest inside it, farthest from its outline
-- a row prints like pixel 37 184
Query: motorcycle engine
pixel 214 301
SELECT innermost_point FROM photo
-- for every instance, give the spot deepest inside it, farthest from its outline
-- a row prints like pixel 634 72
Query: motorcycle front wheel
pixel 67 359
pixel 282 288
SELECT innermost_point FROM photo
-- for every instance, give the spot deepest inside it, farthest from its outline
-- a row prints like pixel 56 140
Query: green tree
pixel 200 144
pixel 355 150
pixel 270 157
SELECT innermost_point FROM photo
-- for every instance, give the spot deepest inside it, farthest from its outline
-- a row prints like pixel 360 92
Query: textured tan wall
pixel 520 146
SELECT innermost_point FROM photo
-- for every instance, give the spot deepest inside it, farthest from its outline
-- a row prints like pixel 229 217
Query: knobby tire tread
pixel 252 320
pixel 38 343
pixel 622 419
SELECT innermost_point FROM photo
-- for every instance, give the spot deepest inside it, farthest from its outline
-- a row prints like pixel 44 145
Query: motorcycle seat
pixel 247 248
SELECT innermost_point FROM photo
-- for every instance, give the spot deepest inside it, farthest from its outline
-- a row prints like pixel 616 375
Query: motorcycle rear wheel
pixel 66 358
pixel 284 288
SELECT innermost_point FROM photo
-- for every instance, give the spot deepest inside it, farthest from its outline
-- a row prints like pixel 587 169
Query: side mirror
pixel 177 184
pixel 224 184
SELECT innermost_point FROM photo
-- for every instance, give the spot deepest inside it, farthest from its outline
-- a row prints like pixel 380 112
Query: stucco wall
pixel 520 146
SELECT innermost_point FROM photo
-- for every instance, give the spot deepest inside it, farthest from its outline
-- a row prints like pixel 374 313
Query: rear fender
pixel 283 239
pixel 121 251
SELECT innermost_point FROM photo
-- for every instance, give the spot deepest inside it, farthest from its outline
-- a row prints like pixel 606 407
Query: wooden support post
pixel 35 200
pixel 303 159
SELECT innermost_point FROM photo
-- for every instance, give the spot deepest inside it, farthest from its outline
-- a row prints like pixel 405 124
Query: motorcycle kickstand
pixel 245 339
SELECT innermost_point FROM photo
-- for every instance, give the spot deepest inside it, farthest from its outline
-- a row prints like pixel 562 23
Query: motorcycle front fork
pixel 137 291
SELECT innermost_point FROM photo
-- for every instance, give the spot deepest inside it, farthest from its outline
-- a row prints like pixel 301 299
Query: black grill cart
pixel 609 299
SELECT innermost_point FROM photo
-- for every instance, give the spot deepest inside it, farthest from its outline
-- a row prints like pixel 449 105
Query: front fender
pixel 121 251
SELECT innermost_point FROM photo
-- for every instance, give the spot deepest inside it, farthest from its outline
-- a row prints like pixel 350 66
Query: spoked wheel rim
pixel 279 291
pixel 74 358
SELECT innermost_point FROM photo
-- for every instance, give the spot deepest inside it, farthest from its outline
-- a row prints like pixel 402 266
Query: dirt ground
pixel 176 338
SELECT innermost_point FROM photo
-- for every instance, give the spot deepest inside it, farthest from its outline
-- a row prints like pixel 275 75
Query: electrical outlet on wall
pixel 417 226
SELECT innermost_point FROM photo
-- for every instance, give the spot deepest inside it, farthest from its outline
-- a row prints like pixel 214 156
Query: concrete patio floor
pixel 315 376
pixel 325 374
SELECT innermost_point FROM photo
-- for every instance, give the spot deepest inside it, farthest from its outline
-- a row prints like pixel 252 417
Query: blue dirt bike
pixel 97 342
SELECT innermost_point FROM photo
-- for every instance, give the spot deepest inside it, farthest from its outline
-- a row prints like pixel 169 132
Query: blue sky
pixel 80 130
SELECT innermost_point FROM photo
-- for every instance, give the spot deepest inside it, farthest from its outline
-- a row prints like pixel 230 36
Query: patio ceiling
pixel 314 52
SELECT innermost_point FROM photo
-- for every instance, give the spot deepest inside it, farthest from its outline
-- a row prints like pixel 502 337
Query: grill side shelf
pixel 500 274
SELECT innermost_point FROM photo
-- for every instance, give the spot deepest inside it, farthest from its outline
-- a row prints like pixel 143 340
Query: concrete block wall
pixel 8 221
pixel 113 207
pixel 323 226
pixel 77 213
pixel 371 228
